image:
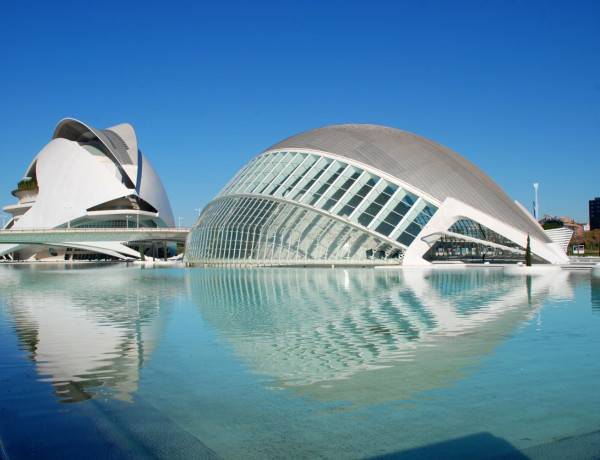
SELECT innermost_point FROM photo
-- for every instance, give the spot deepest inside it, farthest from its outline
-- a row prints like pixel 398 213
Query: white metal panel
pixel 70 180
pixel 418 161
pixel 452 210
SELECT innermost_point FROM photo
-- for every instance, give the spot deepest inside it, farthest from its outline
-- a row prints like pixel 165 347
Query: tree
pixel 528 252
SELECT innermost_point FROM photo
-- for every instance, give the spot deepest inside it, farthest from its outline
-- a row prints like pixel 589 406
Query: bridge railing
pixel 94 230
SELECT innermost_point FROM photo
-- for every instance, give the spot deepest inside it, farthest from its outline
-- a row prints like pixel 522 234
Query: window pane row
pixel 253 230
pixel 337 187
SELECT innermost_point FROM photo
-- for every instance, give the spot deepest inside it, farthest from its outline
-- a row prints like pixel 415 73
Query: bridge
pixel 74 235
pixel 104 240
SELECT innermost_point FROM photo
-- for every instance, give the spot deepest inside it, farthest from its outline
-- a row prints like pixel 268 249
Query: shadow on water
pixel 486 446
pixel 480 445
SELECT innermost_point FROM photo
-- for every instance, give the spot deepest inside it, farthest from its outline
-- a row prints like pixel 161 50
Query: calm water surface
pixel 122 362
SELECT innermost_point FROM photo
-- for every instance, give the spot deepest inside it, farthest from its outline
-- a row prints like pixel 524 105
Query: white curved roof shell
pixel 420 162
pixel 83 168
pixel 362 194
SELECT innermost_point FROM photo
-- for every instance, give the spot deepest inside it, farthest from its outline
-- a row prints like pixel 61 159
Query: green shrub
pixel 27 184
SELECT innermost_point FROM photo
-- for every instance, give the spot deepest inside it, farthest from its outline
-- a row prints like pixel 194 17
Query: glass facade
pixel 294 207
pixel 454 247
pixel 268 232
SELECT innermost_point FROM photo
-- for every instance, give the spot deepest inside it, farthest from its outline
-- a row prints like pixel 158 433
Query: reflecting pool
pixel 123 362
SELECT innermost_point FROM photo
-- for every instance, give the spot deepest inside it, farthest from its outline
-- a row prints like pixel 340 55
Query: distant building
pixel 595 213
pixel 570 223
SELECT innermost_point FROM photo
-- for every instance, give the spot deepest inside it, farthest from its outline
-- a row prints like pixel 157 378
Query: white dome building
pixel 363 195
pixel 88 178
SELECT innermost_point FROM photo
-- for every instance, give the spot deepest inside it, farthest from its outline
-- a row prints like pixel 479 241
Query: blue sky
pixel 513 86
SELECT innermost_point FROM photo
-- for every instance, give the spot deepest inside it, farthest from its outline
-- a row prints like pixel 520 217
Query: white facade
pixel 89 178
pixel 561 236
pixel 363 195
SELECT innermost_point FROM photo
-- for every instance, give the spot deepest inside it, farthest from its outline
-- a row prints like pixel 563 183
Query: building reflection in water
pixel 595 294
pixel 360 335
pixel 367 335
pixel 88 331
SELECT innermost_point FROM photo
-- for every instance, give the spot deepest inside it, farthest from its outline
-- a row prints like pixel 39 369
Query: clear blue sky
pixel 513 86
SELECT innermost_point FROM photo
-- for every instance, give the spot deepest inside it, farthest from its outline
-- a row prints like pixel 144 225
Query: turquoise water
pixel 123 362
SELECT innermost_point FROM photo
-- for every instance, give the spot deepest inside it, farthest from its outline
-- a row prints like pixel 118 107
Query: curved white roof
pixel 120 140
pixel 72 181
pixel 121 143
pixel 418 161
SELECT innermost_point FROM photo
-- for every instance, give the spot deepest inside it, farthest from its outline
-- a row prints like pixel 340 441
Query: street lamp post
pixel 127 216
pixel 68 211
pixel 4 216
pixel 179 221
pixel 536 206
